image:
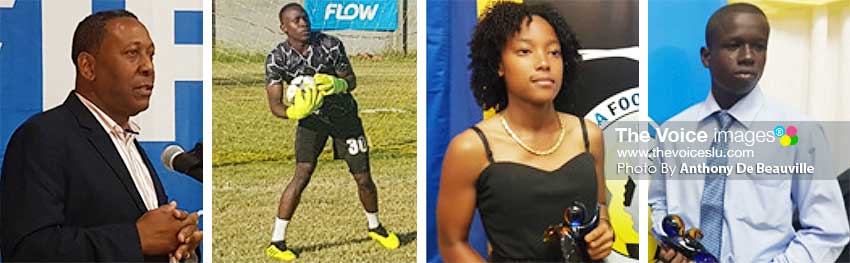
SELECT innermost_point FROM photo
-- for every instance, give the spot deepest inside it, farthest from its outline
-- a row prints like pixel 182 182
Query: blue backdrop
pixel 677 78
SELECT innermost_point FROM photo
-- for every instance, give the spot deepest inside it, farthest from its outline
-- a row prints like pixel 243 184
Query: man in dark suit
pixel 75 184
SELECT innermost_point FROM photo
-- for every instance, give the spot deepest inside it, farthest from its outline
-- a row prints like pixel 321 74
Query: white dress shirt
pixel 758 212
pixel 124 141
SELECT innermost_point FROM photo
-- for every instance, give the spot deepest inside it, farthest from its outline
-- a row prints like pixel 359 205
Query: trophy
pixel 685 242
pixel 571 232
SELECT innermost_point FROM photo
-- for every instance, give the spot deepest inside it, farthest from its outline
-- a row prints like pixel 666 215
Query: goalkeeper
pixel 323 109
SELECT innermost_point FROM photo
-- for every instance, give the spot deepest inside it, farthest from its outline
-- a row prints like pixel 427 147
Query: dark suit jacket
pixel 66 193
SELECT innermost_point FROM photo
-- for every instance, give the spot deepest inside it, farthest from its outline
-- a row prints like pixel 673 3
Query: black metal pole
pixel 404 26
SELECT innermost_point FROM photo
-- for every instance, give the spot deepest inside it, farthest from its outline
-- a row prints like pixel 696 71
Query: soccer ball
pixel 296 84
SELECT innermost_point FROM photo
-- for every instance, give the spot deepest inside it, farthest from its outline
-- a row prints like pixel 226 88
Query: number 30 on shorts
pixel 357 145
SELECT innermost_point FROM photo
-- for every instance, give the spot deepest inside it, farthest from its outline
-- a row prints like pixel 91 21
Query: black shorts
pixel 349 140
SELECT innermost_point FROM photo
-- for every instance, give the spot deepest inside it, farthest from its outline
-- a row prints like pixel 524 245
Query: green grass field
pixel 253 160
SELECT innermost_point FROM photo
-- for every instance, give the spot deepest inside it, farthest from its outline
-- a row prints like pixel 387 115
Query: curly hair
pixel 495 27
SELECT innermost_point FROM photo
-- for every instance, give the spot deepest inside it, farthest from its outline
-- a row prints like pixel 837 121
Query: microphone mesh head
pixel 168 155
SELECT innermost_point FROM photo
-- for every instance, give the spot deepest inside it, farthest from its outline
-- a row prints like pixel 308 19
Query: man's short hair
pixel 287 7
pixel 89 33
pixel 726 11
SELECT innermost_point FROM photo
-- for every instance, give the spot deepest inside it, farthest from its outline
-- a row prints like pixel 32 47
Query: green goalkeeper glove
pixel 306 101
pixel 328 84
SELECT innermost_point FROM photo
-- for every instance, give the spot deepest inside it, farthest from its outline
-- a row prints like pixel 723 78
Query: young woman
pixel 522 167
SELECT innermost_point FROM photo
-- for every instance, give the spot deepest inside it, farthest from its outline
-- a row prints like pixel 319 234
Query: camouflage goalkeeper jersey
pixel 324 54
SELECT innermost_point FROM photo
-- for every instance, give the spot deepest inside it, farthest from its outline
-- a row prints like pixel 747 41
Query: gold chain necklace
pixel 528 148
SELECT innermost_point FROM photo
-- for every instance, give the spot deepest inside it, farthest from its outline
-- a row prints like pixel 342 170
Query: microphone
pixel 175 159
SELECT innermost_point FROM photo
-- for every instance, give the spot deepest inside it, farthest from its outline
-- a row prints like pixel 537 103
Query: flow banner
pixel 369 15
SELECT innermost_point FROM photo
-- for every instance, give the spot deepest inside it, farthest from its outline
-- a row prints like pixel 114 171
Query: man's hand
pixel 328 84
pixel 306 101
pixel 189 238
pixel 158 229
pixel 671 256
pixel 600 240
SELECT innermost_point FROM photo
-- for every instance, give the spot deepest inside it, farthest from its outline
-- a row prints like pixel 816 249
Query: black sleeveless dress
pixel 518 202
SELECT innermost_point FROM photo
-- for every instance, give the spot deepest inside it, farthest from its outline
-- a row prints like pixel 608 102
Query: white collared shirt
pixel 124 144
pixel 757 223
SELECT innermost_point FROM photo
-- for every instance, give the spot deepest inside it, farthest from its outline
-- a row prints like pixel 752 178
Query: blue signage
pixel 370 15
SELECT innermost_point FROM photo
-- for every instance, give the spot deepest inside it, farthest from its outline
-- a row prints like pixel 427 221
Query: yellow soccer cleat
pixel 386 238
pixel 278 250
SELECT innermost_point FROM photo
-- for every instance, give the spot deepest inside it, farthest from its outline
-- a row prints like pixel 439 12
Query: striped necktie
pixel 711 207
